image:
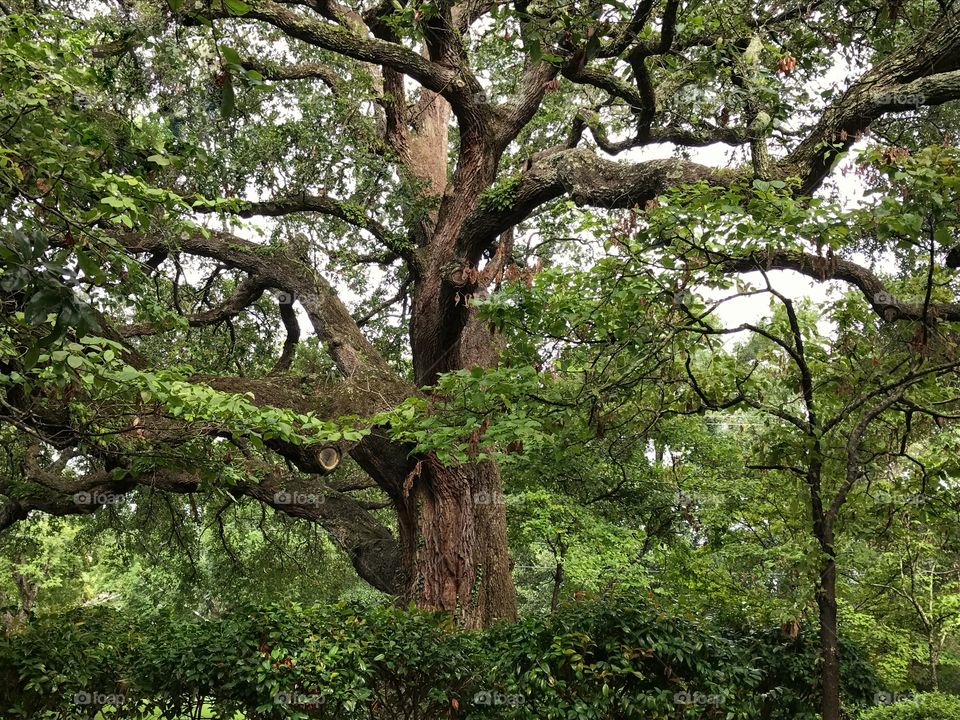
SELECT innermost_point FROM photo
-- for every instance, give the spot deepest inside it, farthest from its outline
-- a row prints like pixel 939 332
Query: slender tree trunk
pixel 829 652
pixel 558 575
pixel 826 591
pixel 933 655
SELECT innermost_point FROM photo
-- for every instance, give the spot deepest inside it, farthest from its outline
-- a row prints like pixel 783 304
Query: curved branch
pixel 589 180
pixel 920 73
pixel 820 268
pixel 458 86
pixel 299 71
pixel 923 73
pixel 279 269
pixel 302 203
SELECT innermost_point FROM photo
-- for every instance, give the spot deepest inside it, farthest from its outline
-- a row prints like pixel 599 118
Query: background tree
pixel 911 569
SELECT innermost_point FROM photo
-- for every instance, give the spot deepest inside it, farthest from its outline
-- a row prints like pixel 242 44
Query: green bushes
pixel 56 661
pixel 928 706
pixel 612 658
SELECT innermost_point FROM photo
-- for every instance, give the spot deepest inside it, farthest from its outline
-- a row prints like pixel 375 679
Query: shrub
pixel 610 658
pixel 927 706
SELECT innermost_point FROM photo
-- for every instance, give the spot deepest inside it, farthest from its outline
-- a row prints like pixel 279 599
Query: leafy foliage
pixel 924 706
pixel 602 658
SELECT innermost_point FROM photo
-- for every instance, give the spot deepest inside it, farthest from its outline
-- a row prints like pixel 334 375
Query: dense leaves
pixel 599 658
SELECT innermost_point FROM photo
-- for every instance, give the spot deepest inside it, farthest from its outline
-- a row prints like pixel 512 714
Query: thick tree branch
pixel 885 304
pixel 588 180
pixel 277 268
pixel 628 35
pixel 288 316
pixel 608 82
pixel 443 38
pixel 322 204
pixel 371 547
pixel 519 111
pixel 458 86
pixel 921 74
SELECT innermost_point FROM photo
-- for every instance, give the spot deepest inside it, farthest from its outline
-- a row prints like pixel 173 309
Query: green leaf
pixel 230 55
pixel 236 7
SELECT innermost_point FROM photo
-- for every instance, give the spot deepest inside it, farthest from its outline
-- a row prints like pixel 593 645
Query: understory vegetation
pixel 594 658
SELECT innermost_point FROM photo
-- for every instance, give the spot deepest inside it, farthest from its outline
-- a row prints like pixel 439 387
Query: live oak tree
pixel 428 141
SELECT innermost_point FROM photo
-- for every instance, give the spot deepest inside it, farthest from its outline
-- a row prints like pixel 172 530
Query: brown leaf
pixel 786 64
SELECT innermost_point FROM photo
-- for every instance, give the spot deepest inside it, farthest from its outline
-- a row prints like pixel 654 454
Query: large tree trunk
pixel 829 652
pixel 453 526
pixel 453 539
pixel 461 560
